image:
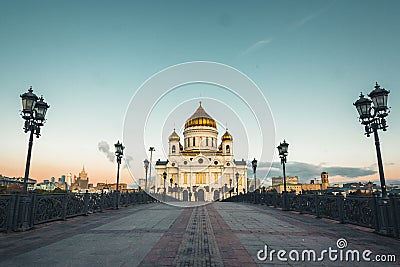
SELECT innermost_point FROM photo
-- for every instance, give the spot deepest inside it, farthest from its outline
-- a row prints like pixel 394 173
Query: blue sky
pixel 309 58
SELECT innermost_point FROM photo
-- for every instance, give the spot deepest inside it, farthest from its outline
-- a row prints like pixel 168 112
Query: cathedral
pixel 202 169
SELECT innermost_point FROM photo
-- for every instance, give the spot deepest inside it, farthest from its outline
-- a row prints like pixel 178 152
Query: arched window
pixel 173 149
pixel 228 149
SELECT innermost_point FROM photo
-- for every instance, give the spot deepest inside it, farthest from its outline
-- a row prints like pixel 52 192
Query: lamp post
pixel 119 152
pixel 254 165
pixel 237 183
pixel 283 152
pixel 146 168
pixel 224 191
pixel 33 112
pixel 151 149
pixel 373 119
pixel 176 191
pixel 171 182
pixel 165 179
pixel 230 187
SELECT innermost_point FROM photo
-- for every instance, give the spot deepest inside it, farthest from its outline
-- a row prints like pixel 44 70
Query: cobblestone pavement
pixel 218 234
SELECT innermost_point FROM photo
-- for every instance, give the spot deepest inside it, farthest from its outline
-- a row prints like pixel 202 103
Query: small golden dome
pixel 200 118
pixel 227 136
pixel 174 137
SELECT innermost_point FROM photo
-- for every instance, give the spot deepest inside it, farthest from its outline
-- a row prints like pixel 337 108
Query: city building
pixel 317 185
pixel 105 187
pixel 289 179
pixel 69 180
pixel 200 169
pixel 82 181
pixel 16 183
pixel 292 184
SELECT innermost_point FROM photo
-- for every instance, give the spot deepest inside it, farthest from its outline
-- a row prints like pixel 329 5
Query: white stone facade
pixel 202 169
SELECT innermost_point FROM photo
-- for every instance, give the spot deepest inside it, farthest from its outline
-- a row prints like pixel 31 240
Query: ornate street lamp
pixel 151 149
pixel 237 183
pixel 176 190
pixel 230 187
pixel 224 188
pixel 283 152
pixel 34 113
pixel 254 165
pixel 171 182
pixel 165 179
pixel 146 168
pixel 119 152
pixel 372 115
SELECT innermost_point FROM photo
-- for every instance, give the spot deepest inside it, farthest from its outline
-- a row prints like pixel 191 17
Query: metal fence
pixel 20 212
pixel 372 212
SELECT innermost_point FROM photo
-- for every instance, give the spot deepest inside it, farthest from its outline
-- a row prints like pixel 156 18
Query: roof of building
pixel 227 136
pixel 174 137
pixel 159 162
pixel 200 118
pixel 240 162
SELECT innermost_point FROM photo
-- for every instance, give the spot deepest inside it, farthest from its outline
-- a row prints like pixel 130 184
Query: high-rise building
pixel 69 179
pixel 82 181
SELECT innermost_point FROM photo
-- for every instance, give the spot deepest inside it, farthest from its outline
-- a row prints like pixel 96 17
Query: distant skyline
pixel 310 60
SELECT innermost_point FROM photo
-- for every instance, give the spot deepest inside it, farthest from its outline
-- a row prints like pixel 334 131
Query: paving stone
pixel 217 234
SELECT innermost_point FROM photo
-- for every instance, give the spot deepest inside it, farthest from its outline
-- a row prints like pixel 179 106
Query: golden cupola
pixel 227 136
pixel 174 137
pixel 200 118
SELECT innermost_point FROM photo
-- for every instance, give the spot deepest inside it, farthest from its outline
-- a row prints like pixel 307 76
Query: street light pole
pixel 119 152
pixel 254 165
pixel 283 152
pixel 373 119
pixel 33 112
pixel 151 162
pixel 28 162
pixel 230 187
pixel 224 191
pixel 380 164
pixel 165 179
pixel 146 168
pixel 171 182
pixel 237 183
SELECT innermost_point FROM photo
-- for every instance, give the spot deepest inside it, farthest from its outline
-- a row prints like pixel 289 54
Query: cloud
pixel 307 171
pixel 350 172
pixel 256 46
pixel 296 25
pixel 105 148
pixel 304 20
pixel 127 162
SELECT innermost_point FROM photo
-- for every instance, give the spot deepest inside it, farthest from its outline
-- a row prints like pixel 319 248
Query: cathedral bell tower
pixel 324 180
pixel 227 143
pixel 174 145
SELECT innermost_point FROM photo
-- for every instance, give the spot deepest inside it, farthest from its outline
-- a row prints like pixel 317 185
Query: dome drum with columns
pixel 202 168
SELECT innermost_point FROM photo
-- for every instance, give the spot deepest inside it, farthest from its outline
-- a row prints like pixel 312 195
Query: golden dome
pixel 200 118
pixel 227 136
pixel 174 137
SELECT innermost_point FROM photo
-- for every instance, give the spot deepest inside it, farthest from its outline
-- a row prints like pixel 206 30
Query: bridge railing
pixel 19 212
pixel 367 211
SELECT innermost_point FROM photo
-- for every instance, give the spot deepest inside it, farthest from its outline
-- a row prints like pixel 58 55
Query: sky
pixel 309 59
